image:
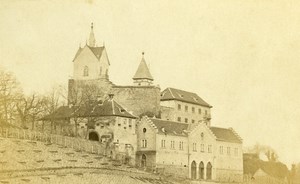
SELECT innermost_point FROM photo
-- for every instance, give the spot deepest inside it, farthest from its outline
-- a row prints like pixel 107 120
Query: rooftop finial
pixel 92 41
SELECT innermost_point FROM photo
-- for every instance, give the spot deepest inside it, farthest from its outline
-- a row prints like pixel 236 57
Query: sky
pixel 242 57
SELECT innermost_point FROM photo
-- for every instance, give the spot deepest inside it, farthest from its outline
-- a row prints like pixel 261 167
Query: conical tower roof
pixel 143 71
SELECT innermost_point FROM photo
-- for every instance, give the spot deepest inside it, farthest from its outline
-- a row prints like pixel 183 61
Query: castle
pixel 165 131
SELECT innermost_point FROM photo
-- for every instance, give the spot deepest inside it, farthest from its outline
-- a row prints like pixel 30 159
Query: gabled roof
pixel 143 71
pixel 170 127
pixel 227 135
pixel 93 109
pixel 97 51
pixel 184 96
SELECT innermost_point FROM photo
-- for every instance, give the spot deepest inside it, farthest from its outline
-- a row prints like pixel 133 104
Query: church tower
pixel 91 61
pixel 143 76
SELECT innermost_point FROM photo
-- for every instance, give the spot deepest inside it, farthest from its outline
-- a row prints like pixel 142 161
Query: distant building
pixel 178 140
pixel 199 152
pixel 182 106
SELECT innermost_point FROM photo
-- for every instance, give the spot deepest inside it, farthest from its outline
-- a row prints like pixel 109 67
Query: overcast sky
pixel 241 56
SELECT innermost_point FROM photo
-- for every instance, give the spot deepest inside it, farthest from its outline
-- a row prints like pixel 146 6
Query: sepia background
pixel 241 56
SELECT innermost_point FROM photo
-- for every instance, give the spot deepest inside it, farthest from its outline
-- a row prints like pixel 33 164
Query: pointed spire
pixel 92 41
pixel 143 70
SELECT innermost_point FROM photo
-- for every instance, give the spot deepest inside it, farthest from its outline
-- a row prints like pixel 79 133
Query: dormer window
pixel 86 71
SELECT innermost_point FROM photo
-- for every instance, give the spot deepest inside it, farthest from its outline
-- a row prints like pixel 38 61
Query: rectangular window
pixel 179 119
pixel 163 143
pixel 124 121
pixel 228 150
pixel 181 145
pixel 172 144
pixel 194 146
pixel 202 147
pixel 186 120
pixel 130 123
pixel 209 148
pixel 199 111
pixel 193 121
pixel 179 107
pixel 221 150
pixel 193 109
pixel 144 143
pixel 186 108
pixel 236 152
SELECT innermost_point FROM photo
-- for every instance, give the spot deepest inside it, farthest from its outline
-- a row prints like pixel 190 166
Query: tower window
pixel 86 71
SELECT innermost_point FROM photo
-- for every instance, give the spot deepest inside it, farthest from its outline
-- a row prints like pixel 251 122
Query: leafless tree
pixel 10 94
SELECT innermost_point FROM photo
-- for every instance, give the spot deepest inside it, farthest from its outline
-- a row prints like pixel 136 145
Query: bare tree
pixel 30 108
pixel 10 94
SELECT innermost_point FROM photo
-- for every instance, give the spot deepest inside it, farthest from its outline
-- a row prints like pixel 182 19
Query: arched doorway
pixel 143 161
pixel 93 136
pixel 208 171
pixel 201 170
pixel 194 170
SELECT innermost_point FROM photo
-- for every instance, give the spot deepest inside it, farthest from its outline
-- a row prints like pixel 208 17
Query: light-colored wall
pixel 229 166
pixel 166 155
pixel 198 155
pixel 175 113
pixel 87 58
pixel 149 135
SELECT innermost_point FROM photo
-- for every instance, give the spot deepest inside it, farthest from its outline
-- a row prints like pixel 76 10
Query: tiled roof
pixel 170 127
pixel 94 109
pixel 143 71
pixel 184 96
pixel 227 135
pixel 97 51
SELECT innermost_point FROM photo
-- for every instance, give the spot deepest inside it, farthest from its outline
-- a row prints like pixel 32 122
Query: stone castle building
pixel 165 131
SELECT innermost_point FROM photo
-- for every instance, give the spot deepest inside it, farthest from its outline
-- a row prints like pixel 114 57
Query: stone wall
pixel 138 99
pixel 81 90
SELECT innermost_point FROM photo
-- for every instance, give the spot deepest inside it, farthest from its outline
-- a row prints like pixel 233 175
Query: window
pixel 163 143
pixel 144 143
pixel 186 120
pixel 194 146
pixel 209 148
pixel 130 123
pixel 199 111
pixel 228 150
pixel 179 119
pixel 181 145
pixel 193 109
pixel 125 121
pixel 202 147
pixel 179 107
pixel 221 150
pixel 144 130
pixel 205 112
pixel 172 144
pixel 186 108
pixel 86 71
pixel 193 121
pixel 236 152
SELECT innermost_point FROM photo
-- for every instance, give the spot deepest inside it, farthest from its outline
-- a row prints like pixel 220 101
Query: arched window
pixel 208 171
pixel 86 71
pixel 193 170
pixel 201 170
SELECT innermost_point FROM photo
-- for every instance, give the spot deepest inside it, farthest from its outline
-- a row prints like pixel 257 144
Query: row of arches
pixel 201 171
